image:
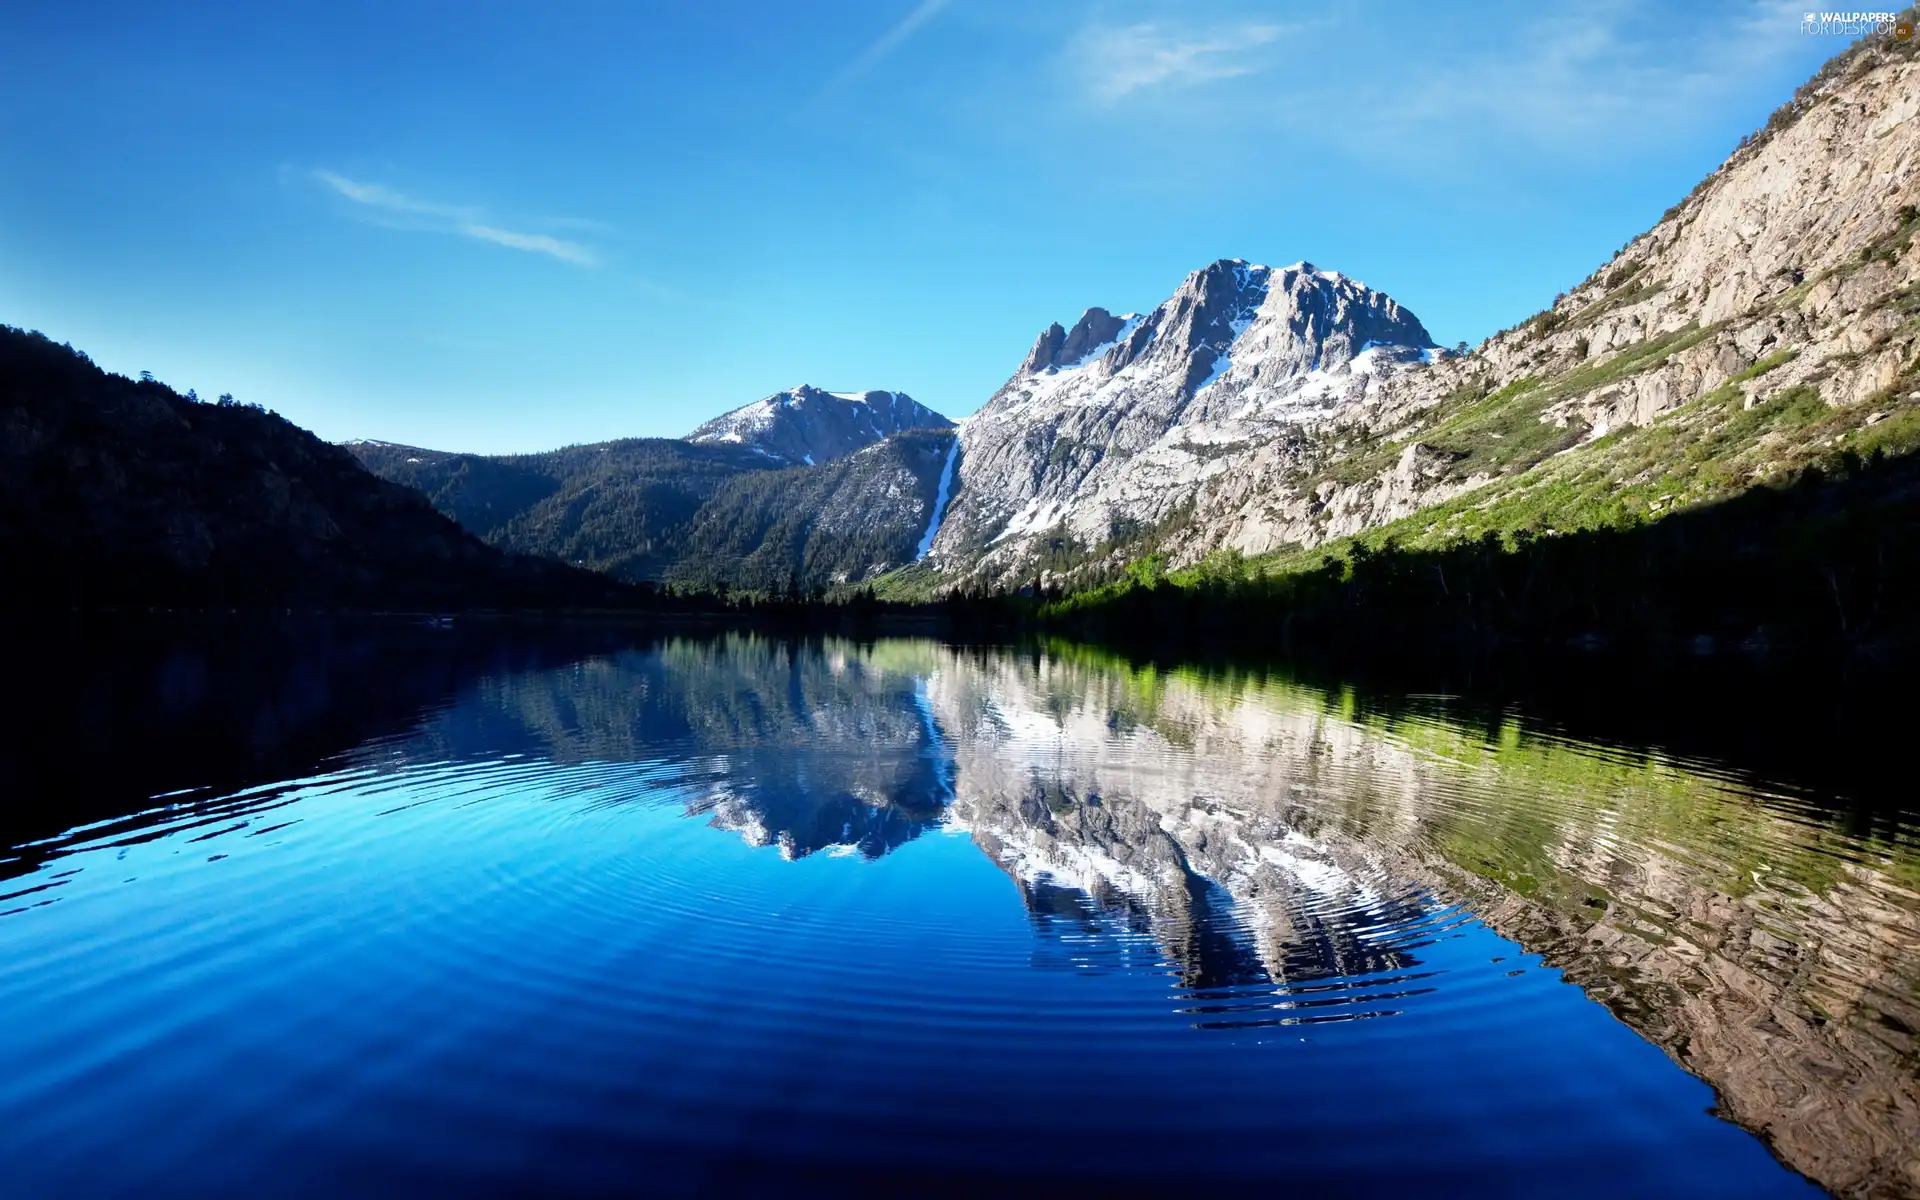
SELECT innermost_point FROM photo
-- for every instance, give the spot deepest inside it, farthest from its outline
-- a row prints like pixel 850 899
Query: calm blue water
pixel 743 915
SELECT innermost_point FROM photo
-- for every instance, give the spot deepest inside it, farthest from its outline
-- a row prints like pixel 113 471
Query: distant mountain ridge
pixel 805 489
pixel 1767 324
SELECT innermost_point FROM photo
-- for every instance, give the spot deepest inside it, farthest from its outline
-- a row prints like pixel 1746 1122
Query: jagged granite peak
pixel 1057 347
pixel 1085 432
pixel 806 424
pixel 1046 349
pixel 1095 328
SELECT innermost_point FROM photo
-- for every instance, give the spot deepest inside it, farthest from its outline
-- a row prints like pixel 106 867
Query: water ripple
pixel 743 913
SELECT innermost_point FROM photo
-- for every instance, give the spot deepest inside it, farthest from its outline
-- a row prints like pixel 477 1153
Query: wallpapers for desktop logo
pixel 1854 24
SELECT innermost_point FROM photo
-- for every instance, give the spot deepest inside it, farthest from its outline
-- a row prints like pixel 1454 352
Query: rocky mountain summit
pixel 1106 428
pixel 806 425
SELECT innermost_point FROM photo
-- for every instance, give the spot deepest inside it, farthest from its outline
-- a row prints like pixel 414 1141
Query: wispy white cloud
pixel 460 220
pixel 1113 63
pixel 376 195
pixel 538 243
pixel 885 44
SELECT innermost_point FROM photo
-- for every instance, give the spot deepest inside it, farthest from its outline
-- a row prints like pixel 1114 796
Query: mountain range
pixel 1769 319
pixel 1094 440
pixel 1109 431
pixel 802 490
pixel 1767 325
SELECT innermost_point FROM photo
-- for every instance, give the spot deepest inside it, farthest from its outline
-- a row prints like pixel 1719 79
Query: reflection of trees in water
pixel 125 712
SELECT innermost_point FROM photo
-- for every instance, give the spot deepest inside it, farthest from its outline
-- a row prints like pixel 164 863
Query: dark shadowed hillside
pixel 123 492
pixel 1825 565
pixel 812 527
pixel 619 507
pixel 702 513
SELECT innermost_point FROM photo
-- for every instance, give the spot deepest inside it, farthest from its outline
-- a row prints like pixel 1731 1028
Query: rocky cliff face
pixel 807 425
pixel 1770 317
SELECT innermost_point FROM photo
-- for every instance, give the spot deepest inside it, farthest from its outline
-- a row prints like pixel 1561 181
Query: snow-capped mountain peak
pixel 1112 422
pixel 807 425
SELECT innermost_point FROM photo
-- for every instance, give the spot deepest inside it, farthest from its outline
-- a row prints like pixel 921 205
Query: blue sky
pixel 509 226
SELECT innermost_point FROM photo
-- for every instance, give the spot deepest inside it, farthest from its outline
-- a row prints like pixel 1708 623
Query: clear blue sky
pixel 500 226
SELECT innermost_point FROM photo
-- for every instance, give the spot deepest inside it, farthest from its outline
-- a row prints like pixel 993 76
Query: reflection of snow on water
pixel 1187 892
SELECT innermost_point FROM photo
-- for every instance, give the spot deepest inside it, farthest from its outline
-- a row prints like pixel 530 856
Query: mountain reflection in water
pixel 481 942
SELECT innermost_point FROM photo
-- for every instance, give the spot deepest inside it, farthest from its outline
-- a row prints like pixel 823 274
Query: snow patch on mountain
pixel 1038 516
pixel 939 502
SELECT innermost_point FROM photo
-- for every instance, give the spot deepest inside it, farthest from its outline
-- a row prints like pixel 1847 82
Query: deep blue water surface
pixel 746 915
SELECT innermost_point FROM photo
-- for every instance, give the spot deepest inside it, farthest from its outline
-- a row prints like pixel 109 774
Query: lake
pixel 390 909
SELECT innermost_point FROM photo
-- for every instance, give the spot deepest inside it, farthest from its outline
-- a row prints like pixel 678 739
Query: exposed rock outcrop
pixel 1111 427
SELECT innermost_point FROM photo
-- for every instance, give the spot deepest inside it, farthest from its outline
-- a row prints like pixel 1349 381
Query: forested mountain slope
pixel 125 493
pixel 804 489
pixel 618 507
pixel 811 527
